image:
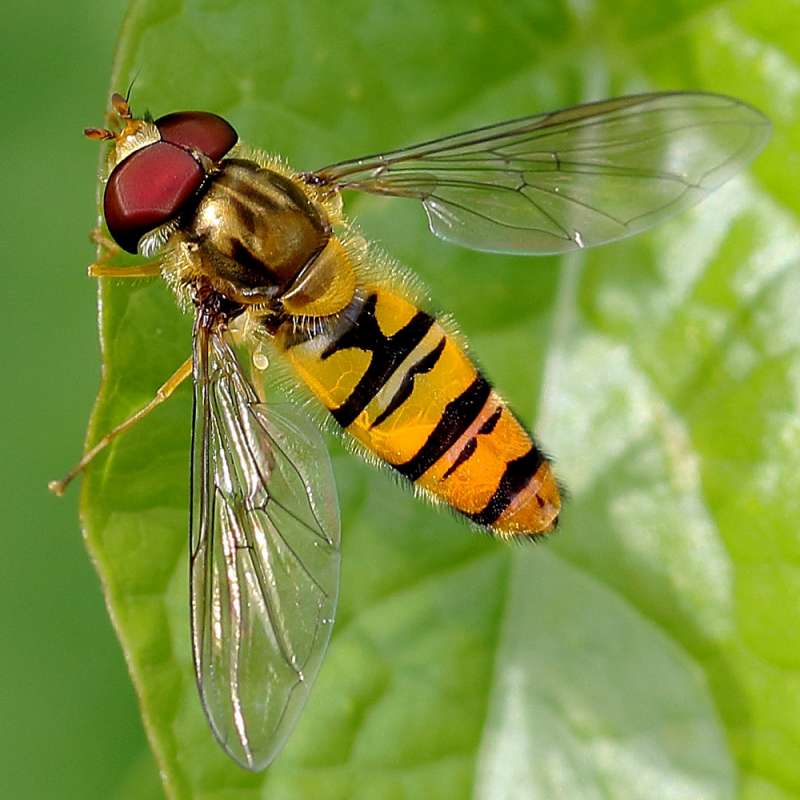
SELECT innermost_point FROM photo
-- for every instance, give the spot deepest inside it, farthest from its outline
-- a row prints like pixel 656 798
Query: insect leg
pixel 102 269
pixel 150 269
pixel 98 236
pixel 164 391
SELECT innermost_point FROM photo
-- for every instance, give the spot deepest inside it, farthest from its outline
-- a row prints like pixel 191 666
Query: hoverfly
pixel 264 254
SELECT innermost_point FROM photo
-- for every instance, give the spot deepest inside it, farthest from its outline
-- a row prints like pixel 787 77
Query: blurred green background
pixel 69 724
pixel 652 648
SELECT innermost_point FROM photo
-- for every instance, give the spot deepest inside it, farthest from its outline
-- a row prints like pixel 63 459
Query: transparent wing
pixel 264 556
pixel 573 178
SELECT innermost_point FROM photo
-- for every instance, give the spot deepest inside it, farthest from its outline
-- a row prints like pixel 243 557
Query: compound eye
pixel 149 188
pixel 198 130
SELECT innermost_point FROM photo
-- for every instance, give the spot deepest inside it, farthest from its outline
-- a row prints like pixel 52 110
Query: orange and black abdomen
pixel 402 386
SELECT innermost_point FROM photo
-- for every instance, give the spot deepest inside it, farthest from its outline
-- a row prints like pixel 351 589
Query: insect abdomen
pixel 402 386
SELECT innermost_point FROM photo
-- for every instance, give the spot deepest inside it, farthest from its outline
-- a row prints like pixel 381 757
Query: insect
pixel 265 256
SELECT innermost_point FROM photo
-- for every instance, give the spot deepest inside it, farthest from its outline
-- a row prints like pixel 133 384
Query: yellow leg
pixel 102 269
pixel 98 236
pixel 177 378
pixel 148 270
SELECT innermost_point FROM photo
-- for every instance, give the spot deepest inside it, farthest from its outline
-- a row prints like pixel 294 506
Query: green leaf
pixel 651 648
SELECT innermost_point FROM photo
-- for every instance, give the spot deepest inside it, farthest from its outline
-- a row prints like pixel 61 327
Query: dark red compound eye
pixel 198 130
pixel 147 189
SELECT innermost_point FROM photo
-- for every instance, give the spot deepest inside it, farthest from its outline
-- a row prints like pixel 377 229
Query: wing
pixel 569 179
pixel 264 556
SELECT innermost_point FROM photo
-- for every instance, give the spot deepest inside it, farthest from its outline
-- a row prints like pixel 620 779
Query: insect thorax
pixel 254 231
